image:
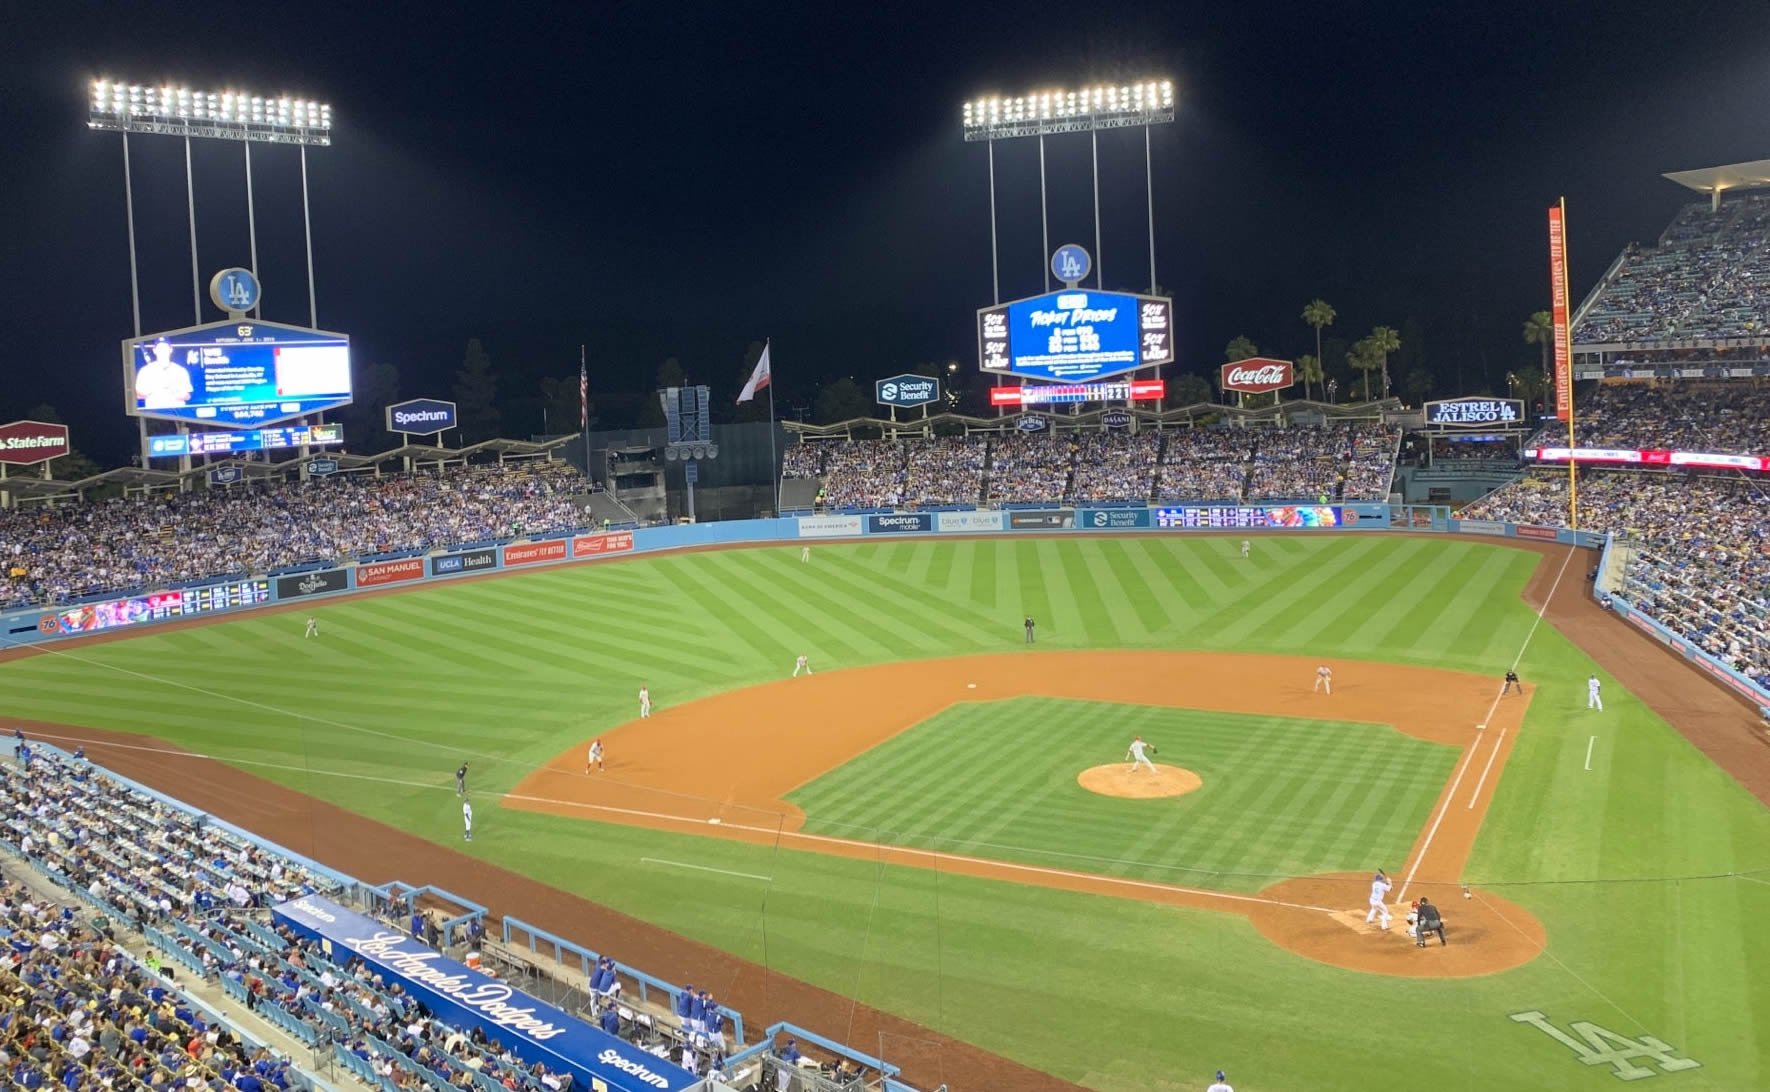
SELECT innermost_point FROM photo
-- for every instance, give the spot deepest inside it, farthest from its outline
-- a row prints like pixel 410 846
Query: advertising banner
pixel 1062 394
pixel 1650 457
pixel 171 445
pixel 25 443
pixel 303 584
pixel 472 1000
pixel 1541 534
pixel 906 391
pixel 1046 520
pixel 830 526
pixel 968 521
pixel 1476 412
pixel 465 562
pixel 377 573
pixel 1113 518
pixel 421 416
pixel 1558 313
pixel 159 606
pixel 1228 517
pixel 615 542
pixel 528 553
pixel 900 523
pixel 1481 527
pixel 1258 375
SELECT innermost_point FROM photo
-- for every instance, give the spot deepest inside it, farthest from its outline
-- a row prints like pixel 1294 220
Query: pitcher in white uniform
pixel 1137 757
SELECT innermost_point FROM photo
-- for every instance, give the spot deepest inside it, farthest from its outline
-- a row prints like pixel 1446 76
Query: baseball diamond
pixel 897 849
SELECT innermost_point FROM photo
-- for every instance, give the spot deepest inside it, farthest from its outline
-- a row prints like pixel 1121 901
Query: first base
pixel 971 686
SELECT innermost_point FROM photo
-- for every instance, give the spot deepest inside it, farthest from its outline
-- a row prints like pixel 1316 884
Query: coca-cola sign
pixel 25 442
pixel 1258 375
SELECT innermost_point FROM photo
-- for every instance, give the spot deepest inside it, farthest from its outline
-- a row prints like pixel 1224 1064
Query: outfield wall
pixel 37 625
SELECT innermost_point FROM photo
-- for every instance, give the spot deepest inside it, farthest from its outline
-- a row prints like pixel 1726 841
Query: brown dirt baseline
pixel 722 766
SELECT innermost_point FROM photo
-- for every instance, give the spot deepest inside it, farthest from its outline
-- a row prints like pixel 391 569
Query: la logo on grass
pixel 1594 1045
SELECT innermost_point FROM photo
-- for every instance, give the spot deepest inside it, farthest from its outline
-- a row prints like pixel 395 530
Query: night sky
pixel 671 180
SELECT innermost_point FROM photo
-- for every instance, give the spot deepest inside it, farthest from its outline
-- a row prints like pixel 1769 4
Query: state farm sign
pixel 25 442
pixel 1258 375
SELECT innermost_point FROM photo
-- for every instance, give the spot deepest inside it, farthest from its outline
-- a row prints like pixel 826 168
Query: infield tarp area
pixel 459 995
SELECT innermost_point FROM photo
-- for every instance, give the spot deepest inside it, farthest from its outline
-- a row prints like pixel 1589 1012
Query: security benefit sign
pixel 906 390
pixel 1476 413
pixel 1075 336
pixel 463 997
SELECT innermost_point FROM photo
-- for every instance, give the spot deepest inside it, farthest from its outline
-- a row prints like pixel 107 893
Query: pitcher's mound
pixel 1118 780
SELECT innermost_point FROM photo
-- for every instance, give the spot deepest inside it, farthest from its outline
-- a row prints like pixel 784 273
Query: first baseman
pixel 1512 683
pixel 467 820
pixel 1324 679
pixel 645 701
pixel 594 758
pixel 1380 886
pixel 1137 757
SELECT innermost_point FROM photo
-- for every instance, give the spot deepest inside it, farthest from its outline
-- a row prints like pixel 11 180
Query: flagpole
pixel 773 461
pixel 584 409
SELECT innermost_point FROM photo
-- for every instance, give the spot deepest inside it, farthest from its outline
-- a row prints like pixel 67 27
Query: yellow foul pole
pixel 1567 309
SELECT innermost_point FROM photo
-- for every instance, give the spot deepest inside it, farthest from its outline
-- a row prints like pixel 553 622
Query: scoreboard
pixel 236 374
pixel 1229 517
pixel 1076 335
pixel 162 606
pixel 173 445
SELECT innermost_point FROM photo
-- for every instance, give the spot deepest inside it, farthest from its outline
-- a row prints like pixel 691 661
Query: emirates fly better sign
pixel 24 443
pixel 1258 375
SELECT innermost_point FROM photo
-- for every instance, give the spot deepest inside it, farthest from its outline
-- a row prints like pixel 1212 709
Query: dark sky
pixel 660 180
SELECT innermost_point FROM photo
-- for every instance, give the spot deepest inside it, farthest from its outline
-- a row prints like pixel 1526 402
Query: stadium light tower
pixel 1052 112
pixel 217 115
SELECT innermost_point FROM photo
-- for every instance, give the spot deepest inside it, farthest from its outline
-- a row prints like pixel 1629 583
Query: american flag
pixel 583 392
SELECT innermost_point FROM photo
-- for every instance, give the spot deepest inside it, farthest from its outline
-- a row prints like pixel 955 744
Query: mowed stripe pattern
pixel 504 672
pixel 1280 798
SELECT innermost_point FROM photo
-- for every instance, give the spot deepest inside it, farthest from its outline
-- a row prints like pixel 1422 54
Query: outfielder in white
pixel 1379 893
pixel 1593 701
pixel 1245 547
pixel 466 821
pixel 1221 1084
pixel 645 701
pixel 801 664
pixel 804 554
pixel 313 629
pixel 1324 679
pixel 1137 757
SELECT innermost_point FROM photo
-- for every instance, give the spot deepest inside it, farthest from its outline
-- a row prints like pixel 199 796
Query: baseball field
pixel 931 848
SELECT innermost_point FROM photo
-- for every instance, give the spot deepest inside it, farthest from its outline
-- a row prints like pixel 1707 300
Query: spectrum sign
pixel 1134 390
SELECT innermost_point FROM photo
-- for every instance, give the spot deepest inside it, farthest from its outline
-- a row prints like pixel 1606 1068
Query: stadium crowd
pixel 200 892
pixel 1705 278
pixel 55 554
pixel 1701 563
pixel 1225 465
pixel 1732 418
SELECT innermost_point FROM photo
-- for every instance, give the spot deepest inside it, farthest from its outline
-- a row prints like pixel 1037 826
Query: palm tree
pixel 1364 356
pixel 1539 329
pixel 1319 313
pixel 1239 349
pixel 1530 385
pixel 1309 369
pixel 1384 340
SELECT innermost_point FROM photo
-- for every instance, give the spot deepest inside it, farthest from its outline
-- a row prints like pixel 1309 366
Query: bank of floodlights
pixel 222 115
pixel 1120 106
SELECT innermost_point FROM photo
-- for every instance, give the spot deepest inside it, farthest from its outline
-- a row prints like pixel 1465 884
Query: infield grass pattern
pixel 1281 797
pixel 1115 994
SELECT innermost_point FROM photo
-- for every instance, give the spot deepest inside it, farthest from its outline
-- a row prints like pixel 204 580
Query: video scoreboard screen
pixel 162 606
pixel 174 445
pixel 1076 335
pixel 236 374
pixel 1228 517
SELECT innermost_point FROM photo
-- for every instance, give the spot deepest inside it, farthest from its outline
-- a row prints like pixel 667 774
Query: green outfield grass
pixel 1281 797
pixel 1112 993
